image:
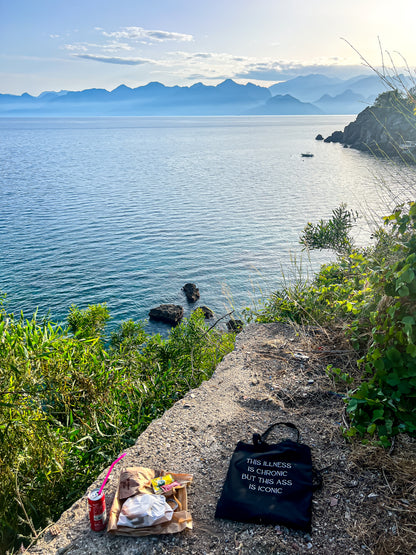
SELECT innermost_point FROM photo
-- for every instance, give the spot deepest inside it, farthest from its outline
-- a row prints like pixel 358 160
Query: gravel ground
pixel 368 500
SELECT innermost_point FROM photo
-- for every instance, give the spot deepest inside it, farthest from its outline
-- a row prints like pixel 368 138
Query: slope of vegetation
pixel 69 403
pixel 371 295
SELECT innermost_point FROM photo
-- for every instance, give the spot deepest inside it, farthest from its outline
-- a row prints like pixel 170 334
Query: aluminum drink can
pixel 97 510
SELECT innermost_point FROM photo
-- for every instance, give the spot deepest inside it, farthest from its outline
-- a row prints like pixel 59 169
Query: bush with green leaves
pixel 332 298
pixel 88 322
pixel 331 234
pixel 371 294
pixel 70 402
pixel 385 403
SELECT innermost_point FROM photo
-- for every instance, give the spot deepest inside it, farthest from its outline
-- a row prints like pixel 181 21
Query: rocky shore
pixel 386 129
pixel 275 373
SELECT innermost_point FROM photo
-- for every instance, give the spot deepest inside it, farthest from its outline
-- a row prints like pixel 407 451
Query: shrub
pixel 69 404
pixel 332 234
pixel 371 293
pixel 88 322
pixel 386 401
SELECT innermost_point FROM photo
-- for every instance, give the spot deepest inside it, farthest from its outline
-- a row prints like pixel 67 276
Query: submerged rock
pixel 191 292
pixel 169 313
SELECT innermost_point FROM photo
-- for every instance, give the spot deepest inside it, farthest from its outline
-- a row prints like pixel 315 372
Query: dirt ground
pixel 276 373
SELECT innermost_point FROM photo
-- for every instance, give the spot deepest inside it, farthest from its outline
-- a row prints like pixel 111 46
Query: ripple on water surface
pixel 127 210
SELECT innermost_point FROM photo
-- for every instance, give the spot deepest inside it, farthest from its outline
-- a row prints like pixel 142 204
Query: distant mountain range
pixel 331 95
pixel 310 94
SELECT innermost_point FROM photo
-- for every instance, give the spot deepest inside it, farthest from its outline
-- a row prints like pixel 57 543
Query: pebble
pixel 309 545
pixel 299 356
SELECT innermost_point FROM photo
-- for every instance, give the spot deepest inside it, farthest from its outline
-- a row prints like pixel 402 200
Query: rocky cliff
pixel 388 128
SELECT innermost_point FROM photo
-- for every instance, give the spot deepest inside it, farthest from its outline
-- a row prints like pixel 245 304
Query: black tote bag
pixel 269 483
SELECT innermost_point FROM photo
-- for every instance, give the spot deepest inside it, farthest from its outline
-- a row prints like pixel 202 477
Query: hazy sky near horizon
pixel 79 44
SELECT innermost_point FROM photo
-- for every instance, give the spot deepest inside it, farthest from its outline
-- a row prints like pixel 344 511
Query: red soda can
pixel 97 510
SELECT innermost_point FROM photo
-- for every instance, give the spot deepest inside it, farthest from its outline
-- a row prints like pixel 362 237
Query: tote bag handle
pixel 259 439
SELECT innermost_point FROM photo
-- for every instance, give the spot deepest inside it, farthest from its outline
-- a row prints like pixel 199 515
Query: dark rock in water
pixel 207 312
pixel 191 291
pixel 235 325
pixel 169 313
pixel 336 137
pixel 319 137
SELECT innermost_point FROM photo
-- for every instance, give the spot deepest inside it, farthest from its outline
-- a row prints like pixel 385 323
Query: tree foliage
pixel 331 234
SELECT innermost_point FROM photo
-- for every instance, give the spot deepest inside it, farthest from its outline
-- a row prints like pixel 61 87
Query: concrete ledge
pixel 198 436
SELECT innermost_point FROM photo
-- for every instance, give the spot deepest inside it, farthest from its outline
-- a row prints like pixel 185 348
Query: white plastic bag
pixel 144 510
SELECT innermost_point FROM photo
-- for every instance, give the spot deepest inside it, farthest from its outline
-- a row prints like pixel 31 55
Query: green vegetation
pixel 69 403
pixel 332 234
pixel 371 294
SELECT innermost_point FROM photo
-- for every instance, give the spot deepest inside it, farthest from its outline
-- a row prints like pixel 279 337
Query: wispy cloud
pixel 282 70
pixel 114 60
pixel 140 34
pixel 205 65
pixel 111 47
pixel 215 66
pixel 108 47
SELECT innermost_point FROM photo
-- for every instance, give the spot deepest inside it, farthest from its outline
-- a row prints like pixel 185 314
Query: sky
pixel 78 44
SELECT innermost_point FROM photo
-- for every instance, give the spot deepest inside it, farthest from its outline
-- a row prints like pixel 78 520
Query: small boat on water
pixel 307 155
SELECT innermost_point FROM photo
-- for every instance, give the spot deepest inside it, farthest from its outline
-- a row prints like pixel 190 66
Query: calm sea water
pixel 127 210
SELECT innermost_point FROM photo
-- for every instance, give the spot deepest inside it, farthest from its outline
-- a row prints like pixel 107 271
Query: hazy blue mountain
pixel 15 99
pixel 306 88
pixel 44 97
pixel 311 88
pixel 347 102
pixel 282 105
pixel 367 86
pixel 309 94
pixel 89 95
pixel 227 98
pixel 51 94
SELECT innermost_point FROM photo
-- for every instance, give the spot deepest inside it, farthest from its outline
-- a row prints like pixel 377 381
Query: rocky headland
pixel 387 129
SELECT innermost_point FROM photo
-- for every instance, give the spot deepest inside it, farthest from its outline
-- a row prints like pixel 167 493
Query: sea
pixel 126 210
